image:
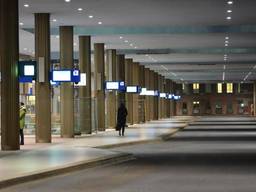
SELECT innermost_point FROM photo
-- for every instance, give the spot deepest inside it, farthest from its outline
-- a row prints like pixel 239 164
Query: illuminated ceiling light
pixel 67 1
pixel 228 18
pixel 75 44
pixel 126 41
pixel 25 49
pixel 227 38
pixel 226 42
pixel 26 5
pixel 100 23
pixel 54 20
pixel 225 55
pixel 57 36
pixel 21 24
pixel 229 11
pixel 90 16
pixel 120 37
pixel 80 9
pixel 230 2
pixel 131 45
pixel 146 55
pixel 226 45
pixel 135 47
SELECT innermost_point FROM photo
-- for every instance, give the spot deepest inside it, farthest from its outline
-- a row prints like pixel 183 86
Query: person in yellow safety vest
pixel 22 122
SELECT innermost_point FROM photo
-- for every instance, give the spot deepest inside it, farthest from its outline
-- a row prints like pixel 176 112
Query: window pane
pixel 229 87
pixel 219 88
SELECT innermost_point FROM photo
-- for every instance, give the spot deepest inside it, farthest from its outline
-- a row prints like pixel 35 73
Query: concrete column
pixel 162 110
pixel 9 53
pixel 99 61
pixel 129 97
pixel 147 98
pixel 141 97
pixel 43 89
pixel 151 98
pixel 120 74
pixel 159 78
pixel 135 82
pixel 66 89
pixel 173 103
pixel 85 93
pixel 111 96
pixel 254 98
pixel 168 101
pixel 156 99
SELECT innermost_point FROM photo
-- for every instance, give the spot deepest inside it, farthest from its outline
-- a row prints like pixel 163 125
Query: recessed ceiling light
pixel 54 20
pixel 21 24
pixel 25 49
pixel 26 5
pixel 80 9
pixel 229 18
pixel 230 2
pixel 120 37
pixel 226 45
pixel 126 41
pixel 90 16
pixel 100 23
pixel 229 11
pixel 146 55
pixel 135 47
pixel 67 1
pixel 227 38
pixel 131 44
pixel 226 42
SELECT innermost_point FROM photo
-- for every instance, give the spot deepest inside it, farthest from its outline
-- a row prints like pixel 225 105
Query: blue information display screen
pixel 133 89
pixel 115 85
pixel 27 71
pixel 66 75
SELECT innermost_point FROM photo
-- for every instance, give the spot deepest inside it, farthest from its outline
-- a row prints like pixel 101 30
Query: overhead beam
pixel 131 30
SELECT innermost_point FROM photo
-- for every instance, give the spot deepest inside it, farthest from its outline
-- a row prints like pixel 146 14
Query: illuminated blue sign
pixel 27 71
pixel 133 89
pixel 115 85
pixel 66 75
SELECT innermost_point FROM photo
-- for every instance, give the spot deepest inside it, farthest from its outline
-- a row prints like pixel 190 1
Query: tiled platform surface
pixel 37 159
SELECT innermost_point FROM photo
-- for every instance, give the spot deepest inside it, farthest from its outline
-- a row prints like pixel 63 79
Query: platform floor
pixel 201 160
pixel 35 158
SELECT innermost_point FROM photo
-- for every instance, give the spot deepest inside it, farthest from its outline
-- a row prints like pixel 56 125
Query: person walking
pixel 22 122
pixel 121 118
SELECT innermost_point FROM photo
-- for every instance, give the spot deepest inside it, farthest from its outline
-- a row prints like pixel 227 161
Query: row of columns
pixel 117 68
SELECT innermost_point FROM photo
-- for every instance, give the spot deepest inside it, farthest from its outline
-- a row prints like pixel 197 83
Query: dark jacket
pixel 121 116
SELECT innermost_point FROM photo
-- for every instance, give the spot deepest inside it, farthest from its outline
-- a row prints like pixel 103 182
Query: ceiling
pixel 183 40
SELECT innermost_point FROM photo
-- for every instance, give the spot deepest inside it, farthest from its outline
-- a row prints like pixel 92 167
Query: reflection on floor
pixel 35 158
